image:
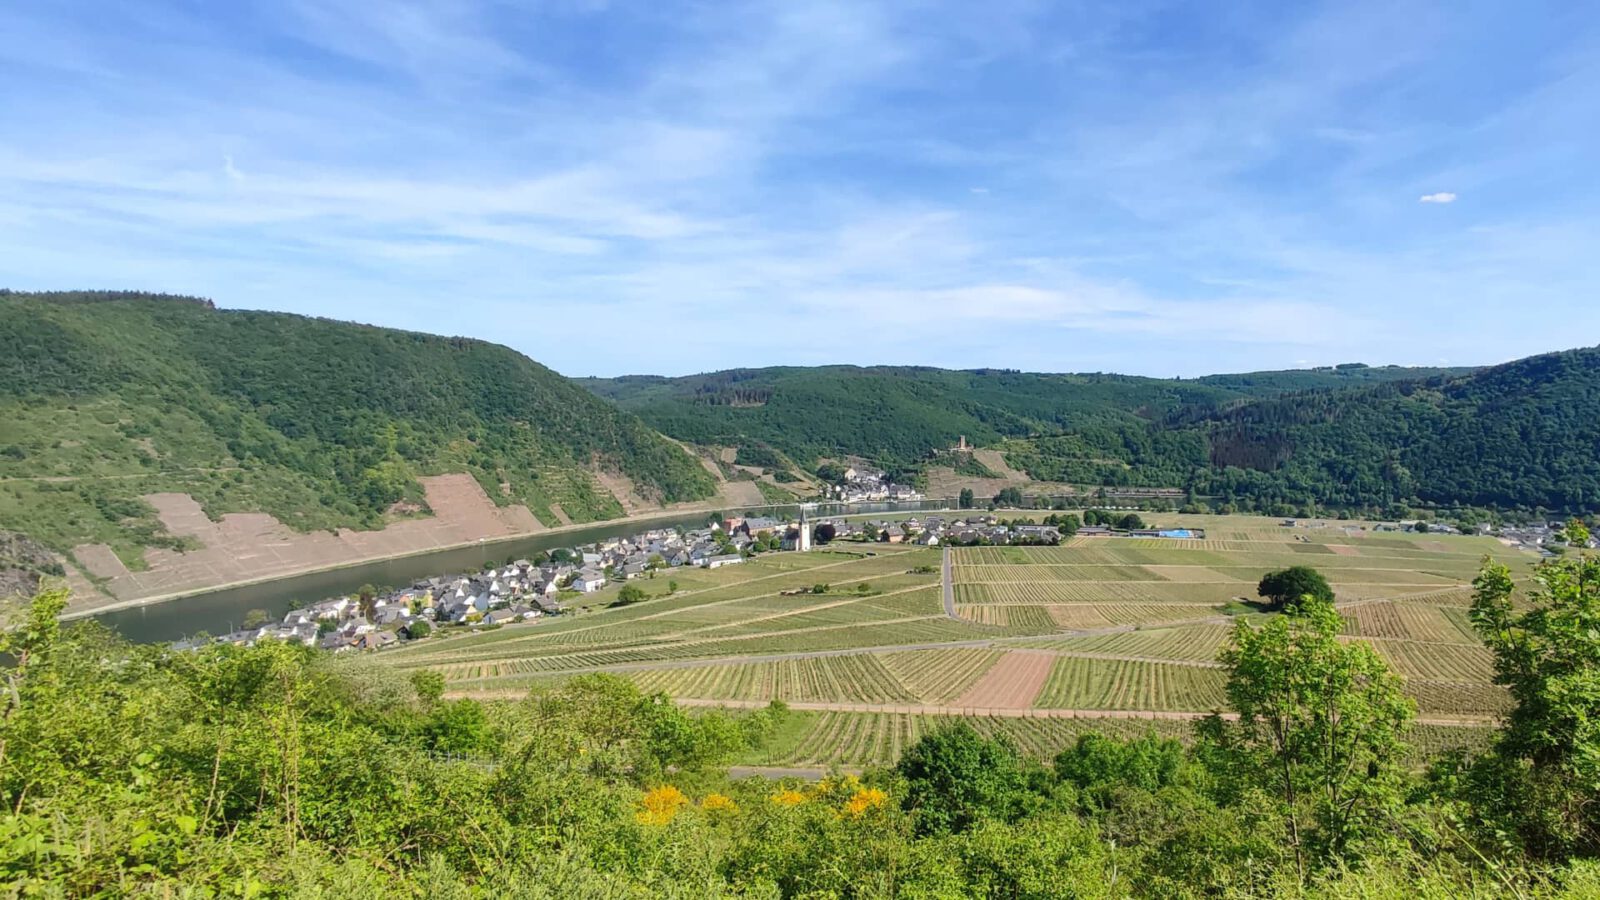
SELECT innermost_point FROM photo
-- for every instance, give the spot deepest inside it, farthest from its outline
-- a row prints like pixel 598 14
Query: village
pixel 555 583
pixel 860 484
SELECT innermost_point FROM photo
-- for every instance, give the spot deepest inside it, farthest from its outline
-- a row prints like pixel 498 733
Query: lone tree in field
pixel 1542 779
pixel 1292 585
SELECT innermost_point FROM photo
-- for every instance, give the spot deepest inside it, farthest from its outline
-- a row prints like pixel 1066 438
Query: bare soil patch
pixel 1012 683
pixel 742 493
pixel 995 461
pixel 249 546
pixel 99 560
pixel 621 487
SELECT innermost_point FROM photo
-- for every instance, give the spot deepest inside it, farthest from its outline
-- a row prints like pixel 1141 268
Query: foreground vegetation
pixel 323 424
pixel 275 771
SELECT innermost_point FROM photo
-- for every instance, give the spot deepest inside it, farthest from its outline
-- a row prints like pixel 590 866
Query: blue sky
pixel 1145 187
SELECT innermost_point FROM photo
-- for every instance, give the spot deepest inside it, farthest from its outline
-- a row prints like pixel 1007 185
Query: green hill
pixel 1519 436
pixel 886 413
pixel 1346 375
pixel 323 424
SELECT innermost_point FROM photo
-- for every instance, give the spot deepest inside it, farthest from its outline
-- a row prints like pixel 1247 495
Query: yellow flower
pixel 718 801
pixel 863 801
pixel 661 805
pixel 788 798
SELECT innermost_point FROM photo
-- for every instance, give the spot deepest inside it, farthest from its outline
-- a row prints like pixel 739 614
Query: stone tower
pixel 804 542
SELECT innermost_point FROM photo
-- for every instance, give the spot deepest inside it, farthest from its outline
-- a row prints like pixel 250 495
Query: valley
pixel 1047 642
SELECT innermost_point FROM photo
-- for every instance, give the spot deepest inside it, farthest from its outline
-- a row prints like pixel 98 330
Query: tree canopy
pixel 1293 585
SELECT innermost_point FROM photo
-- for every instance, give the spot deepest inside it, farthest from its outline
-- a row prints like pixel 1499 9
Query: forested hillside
pixel 890 414
pixel 899 414
pixel 1519 436
pixel 322 424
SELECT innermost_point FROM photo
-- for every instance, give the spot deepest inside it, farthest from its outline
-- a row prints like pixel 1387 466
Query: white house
pixel 588 581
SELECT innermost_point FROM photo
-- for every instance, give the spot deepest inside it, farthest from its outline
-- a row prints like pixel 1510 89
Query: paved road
pixel 948 582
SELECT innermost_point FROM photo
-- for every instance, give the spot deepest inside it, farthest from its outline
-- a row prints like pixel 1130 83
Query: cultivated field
pixel 1045 643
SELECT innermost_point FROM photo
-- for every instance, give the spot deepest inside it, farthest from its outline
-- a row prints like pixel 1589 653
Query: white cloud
pixel 1439 197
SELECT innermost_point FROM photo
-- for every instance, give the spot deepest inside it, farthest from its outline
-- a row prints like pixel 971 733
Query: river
pixel 222 611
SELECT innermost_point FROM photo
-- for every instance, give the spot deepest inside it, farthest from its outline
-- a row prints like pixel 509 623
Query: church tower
pixel 804 543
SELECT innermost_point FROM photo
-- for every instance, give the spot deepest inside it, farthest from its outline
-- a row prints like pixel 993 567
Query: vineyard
pixel 865 739
pixel 860 678
pixel 1129 626
pixel 1199 643
pixel 1076 683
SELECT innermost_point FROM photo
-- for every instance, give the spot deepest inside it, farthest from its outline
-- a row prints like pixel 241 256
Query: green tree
pixel 1292 585
pixel 956 777
pixel 1100 766
pixel 1130 522
pixel 429 685
pixel 255 618
pixel 630 593
pixel 1010 496
pixel 1545 773
pixel 1320 729
pixel 966 499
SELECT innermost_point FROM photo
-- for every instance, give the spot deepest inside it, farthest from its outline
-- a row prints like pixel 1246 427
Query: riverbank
pixel 221 609
pixel 120 605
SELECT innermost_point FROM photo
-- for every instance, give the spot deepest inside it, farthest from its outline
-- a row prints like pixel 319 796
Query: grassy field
pixel 1128 627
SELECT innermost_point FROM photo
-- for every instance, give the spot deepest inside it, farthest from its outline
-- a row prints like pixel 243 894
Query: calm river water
pixel 222 611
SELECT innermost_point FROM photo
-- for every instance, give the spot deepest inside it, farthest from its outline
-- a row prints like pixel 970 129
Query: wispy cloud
pixel 763 182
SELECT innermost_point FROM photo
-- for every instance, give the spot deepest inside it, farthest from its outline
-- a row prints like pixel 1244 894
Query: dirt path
pixel 1003 712
pixel 1011 683
pixel 804 773
pixel 948 583
pixel 1010 712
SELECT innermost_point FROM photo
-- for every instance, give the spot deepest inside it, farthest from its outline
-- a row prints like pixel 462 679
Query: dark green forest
pixel 1384 440
pixel 321 423
pixel 278 771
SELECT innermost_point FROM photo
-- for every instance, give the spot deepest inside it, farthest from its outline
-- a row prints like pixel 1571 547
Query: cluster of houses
pixel 525 591
pixel 934 530
pixel 1535 537
pixel 864 485
pixel 1538 537
pixel 521 590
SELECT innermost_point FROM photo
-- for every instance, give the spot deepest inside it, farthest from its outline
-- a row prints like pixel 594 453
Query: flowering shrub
pixel 661 805
pixel 788 798
pixel 863 801
pixel 718 802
